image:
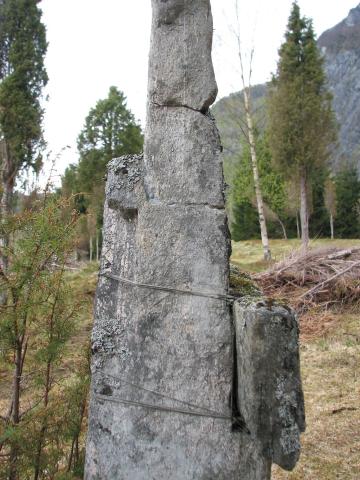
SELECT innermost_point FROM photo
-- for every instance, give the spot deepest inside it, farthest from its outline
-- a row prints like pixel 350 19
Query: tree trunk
pixel 297 225
pixel 304 211
pixel 283 228
pixel 91 249
pixel 332 225
pixel 258 193
pixel 37 467
pixel 97 246
pixel 15 417
pixel 6 194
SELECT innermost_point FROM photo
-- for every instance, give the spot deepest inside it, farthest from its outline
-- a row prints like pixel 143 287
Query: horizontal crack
pixel 203 111
pixel 194 204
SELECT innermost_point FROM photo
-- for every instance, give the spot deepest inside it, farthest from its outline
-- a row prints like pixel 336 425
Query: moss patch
pixel 241 284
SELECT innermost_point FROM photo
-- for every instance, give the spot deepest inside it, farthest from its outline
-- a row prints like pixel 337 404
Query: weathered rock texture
pixel 340 46
pixel 162 397
pixel 270 396
pixel 167 228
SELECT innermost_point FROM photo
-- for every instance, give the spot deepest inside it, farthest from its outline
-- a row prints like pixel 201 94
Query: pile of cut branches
pixel 321 278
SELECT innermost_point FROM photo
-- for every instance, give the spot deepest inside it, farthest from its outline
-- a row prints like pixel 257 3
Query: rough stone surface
pixel 177 345
pixel 270 395
pixel 180 66
pixel 165 225
pixel 193 139
pixel 163 367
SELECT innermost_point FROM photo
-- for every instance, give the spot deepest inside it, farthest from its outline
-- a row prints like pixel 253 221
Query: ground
pixel 331 380
pixel 330 372
pixel 248 254
pixel 330 366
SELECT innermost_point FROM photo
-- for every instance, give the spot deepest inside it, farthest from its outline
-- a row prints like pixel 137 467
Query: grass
pixel 83 284
pixel 248 254
pixel 331 380
pixel 330 373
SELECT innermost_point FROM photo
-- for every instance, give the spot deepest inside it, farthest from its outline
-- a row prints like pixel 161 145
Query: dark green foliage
pixel 22 77
pixel 319 218
pixel 246 221
pixel 245 225
pixel 278 197
pixel 301 121
pixel 347 221
pixel 110 131
pixel 301 125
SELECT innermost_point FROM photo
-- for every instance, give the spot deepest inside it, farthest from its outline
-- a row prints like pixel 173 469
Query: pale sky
pixel 94 44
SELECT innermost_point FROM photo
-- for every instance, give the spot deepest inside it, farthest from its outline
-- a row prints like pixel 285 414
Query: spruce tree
pixel 301 121
pixel 110 130
pixel 22 78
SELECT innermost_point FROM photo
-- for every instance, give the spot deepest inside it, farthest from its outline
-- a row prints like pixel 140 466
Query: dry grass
pixel 331 381
pixel 83 284
pixel 330 360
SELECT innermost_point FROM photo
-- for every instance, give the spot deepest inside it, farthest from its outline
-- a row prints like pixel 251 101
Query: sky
pixel 94 44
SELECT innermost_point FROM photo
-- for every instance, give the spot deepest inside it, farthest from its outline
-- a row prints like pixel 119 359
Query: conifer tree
pixel 22 77
pixel 301 121
pixel 110 130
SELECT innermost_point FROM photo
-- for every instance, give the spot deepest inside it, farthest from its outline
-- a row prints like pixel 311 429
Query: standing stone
pixel 164 387
pixel 165 225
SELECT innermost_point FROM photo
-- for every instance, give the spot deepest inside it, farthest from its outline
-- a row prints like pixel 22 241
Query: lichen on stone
pixel 241 284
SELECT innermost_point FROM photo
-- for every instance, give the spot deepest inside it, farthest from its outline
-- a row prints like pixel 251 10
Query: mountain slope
pixel 341 48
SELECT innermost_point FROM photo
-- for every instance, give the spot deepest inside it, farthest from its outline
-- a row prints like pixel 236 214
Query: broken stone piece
pixel 270 395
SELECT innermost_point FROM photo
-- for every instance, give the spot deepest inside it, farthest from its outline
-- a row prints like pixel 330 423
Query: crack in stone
pixel 204 111
pixel 195 204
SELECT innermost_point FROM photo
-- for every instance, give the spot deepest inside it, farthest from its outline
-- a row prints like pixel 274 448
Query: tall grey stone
pixel 165 225
pixel 164 385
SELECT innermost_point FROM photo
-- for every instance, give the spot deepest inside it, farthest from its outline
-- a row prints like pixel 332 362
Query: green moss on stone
pixel 241 284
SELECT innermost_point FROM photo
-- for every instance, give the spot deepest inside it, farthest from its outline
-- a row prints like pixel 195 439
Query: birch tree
pixel 250 137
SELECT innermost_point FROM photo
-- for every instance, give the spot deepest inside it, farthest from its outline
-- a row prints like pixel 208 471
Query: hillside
pixel 341 48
